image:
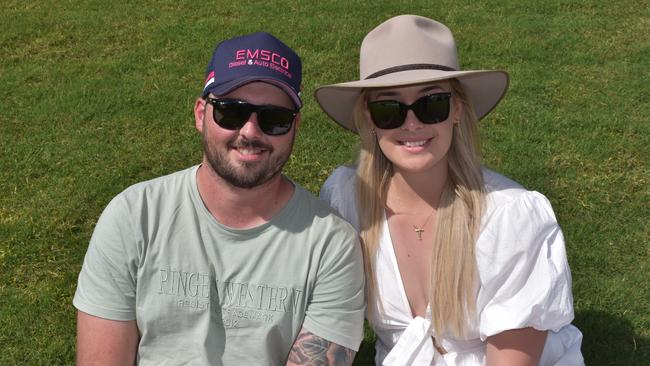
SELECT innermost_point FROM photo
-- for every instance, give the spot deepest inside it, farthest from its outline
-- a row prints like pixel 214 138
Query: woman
pixel 464 266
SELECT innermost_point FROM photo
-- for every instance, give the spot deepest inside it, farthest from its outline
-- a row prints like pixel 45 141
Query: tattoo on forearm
pixel 310 349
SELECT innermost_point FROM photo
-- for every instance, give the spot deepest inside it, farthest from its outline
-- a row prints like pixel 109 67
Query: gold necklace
pixel 420 230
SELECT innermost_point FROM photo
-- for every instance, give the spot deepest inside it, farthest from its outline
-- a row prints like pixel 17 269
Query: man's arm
pixel 517 347
pixel 310 349
pixel 105 342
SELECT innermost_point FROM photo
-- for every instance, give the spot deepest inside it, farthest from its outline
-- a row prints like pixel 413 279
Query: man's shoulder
pixel 160 186
pixel 151 196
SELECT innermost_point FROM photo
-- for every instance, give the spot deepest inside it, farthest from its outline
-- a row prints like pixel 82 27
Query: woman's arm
pixel 517 347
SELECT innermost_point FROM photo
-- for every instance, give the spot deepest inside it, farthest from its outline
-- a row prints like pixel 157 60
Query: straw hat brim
pixel 484 88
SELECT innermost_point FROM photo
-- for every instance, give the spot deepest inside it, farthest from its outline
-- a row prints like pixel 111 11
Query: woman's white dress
pixel 523 281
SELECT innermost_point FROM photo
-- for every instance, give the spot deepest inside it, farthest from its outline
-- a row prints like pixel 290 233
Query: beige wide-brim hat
pixel 406 50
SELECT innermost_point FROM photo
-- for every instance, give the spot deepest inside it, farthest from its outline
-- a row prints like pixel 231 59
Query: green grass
pixel 94 98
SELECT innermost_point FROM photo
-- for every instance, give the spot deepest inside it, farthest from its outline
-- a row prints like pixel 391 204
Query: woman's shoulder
pixel 500 187
pixel 340 182
pixel 339 192
pixel 515 212
pixel 342 174
pixel 503 193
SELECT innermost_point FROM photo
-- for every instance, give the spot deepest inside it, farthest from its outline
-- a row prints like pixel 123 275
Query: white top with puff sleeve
pixel 524 281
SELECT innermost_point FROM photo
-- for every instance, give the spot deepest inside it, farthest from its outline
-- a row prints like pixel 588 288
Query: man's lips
pixel 251 149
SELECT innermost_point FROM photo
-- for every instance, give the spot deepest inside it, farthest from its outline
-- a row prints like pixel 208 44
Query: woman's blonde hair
pixel 452 286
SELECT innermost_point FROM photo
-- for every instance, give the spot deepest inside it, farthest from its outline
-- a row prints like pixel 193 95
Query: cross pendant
pixel 418 231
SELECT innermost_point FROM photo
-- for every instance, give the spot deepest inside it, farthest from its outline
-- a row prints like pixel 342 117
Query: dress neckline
pixel 387 243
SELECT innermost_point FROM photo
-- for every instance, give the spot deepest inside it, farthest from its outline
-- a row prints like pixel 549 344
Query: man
pixel 228 262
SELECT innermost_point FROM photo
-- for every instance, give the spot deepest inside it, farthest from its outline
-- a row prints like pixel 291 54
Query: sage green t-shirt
pixel 203 293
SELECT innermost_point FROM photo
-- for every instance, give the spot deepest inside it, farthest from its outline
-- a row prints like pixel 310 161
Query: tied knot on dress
pixel 415 346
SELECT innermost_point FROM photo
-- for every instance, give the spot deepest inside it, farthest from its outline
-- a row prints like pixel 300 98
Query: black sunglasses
pixel 232 114
pixel 390 114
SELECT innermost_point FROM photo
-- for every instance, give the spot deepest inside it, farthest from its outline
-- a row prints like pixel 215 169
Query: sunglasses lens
pixel 432 108
pixel 386 114
pixel 275 121
pixel 390 114
pixel 231 114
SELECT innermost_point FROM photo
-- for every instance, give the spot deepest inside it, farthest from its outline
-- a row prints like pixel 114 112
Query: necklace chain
pixel 420 230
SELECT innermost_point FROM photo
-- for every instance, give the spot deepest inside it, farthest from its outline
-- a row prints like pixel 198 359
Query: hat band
pixel 399 68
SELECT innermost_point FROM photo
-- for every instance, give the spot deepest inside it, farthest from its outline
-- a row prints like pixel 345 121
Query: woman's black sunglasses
pixel 390 114
pixel 232 114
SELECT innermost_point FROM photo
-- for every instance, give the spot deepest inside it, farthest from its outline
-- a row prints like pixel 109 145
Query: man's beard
pixel 246 174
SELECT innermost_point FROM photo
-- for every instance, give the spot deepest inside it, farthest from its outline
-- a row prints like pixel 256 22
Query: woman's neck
pixel 411 190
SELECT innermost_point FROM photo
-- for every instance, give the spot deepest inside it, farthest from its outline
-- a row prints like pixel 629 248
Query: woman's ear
pixel 365 112
pixel 458 108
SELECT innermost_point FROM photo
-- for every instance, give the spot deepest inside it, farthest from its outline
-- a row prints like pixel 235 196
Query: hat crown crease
pixel 409 50
pixel 430 42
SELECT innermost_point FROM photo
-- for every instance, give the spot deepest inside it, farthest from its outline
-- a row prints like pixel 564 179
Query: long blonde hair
pixel 453 265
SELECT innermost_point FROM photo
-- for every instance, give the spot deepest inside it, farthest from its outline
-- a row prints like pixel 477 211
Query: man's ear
pixel 297 122
pixel 199 114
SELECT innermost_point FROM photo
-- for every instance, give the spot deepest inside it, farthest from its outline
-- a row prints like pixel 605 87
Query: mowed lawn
pixel 96 96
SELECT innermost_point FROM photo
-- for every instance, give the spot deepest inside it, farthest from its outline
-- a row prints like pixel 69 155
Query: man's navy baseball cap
pixel 254 57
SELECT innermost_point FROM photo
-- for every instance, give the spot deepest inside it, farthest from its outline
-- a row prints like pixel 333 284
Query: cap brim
pixel 228 86
pixel 484 88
